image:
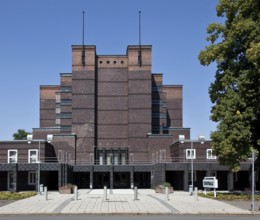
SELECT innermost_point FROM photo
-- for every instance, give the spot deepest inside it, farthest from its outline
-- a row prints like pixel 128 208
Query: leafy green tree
pixel 21 134
pixel 235 94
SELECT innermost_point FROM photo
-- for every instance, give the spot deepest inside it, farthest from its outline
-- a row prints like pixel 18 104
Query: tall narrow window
pixel 131 158
pixel 32 178
pixel 101 159
pixel 32 156
pixel 109 159
pixel 60 156
pixel 12 156
pixel 123 159
pixel 116 159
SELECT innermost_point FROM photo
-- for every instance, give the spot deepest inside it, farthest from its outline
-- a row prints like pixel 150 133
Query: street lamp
pixel 253 180
pixel 30 140
pixel 201 138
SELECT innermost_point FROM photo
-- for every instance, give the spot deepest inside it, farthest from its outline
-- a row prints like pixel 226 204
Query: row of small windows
pixel 64 115
pixel 66 88
pixel 108 62
pixel 32 156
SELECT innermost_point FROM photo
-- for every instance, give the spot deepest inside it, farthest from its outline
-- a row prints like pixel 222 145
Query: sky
pixel 36 38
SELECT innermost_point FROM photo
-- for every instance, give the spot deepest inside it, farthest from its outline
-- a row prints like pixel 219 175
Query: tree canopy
pixel 21 134
pixel 235 93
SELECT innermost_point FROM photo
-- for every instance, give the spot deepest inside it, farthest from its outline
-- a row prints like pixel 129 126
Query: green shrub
pixel 16 195
pixel 230 196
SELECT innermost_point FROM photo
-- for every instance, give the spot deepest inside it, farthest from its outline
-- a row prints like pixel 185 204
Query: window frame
pixel 211 156
pixel 9 157
pixel 31 176
pixel 189 155
pixel 37 155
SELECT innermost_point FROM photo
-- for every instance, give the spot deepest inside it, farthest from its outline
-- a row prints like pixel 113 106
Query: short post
pixel 167 193
pixel 196 194
pixel 135 193
pixel 215 193
pixel 75 193
pixel 105 192
pixel 46 192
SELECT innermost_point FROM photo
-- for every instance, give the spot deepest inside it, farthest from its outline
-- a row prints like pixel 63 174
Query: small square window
pixel 12 156
pixel 190 154
pixel 32 156
pixel 210 155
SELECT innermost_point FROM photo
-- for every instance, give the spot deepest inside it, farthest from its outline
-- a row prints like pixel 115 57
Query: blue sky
pixel 36 38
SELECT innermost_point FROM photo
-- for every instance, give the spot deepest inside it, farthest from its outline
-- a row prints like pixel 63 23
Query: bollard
pixel 135 193
pixel 215 193
pixel 105 193
pixel 46 192
pixel 196 194
pixel 75 193
pixel 166 193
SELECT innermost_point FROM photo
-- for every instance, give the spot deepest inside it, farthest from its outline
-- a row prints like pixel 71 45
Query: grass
pixel 16 195
pixel 231 196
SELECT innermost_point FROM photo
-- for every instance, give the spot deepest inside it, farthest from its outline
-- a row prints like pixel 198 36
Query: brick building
pixel 113 123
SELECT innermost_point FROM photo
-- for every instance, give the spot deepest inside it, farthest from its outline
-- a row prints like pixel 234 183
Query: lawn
pixel 231 196
pixel 16 195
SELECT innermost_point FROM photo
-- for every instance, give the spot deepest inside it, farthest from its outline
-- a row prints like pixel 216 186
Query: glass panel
pixel 123 159
pixel 116 159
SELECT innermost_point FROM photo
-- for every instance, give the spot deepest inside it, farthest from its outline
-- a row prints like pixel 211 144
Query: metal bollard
pixel 196 194
pixel 46 192
pixel 75 193
pixel 166 193
pixel 105 193
pixel 135 193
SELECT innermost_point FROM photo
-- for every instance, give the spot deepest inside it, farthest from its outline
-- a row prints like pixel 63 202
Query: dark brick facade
pixel 114 123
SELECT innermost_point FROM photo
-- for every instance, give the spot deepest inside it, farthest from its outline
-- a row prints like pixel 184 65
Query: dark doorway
pixel 101 179
pixel 175 178
pixel 50 179
pixel 81 179
pixel 198 180
pixel 222 177
pixel 142 179
pixel 242 180
pixel 122 180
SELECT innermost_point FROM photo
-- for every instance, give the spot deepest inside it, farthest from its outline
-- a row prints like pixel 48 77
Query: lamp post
pixel 192 154
pixel 30 140
pixel 253 180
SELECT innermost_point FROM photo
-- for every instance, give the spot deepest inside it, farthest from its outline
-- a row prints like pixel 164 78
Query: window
pixel 109 159
pixel 31 178
pixel 60 156
pixel 32 156
pixel 190 154
pixel 194 176
pixel 12 156
pixel 123 159
pixel 116 159
pixel 210 154
pixel 100 159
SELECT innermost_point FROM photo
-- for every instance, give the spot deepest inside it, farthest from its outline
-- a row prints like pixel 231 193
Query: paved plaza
pixel 119 202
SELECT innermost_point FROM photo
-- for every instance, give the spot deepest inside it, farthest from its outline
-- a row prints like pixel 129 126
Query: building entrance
pixel 122 180
pixel 101 179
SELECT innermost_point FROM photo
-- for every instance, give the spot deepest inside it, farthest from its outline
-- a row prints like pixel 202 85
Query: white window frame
pixel 190 155
pixel 31 178
pixel 210 155
pixel 31 157
pixel 14 157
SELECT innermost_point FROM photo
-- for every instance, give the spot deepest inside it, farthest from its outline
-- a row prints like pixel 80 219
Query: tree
pixel 21 134
pixel 235 94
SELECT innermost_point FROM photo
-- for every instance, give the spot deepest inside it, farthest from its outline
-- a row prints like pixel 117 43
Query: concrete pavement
pixel 120 202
